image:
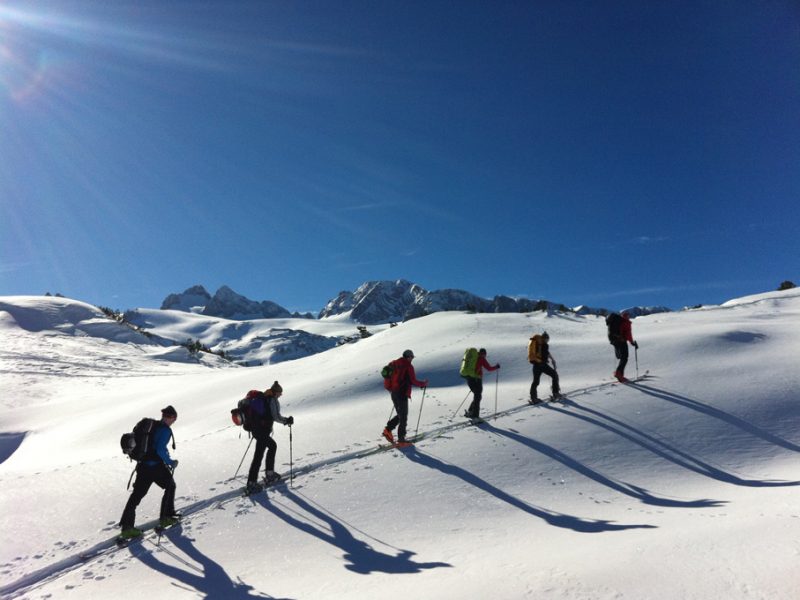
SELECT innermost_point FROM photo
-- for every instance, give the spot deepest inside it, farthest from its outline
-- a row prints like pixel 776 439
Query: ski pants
pixel 538 369
pixel 264 442
pixel 476 387
pixel 621 352
pixel 147 475
pixel 400 401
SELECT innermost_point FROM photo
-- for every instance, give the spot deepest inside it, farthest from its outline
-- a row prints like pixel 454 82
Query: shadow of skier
pixel 661 448
pixel 628 489
pixel 716 413
pixel 360 556
pixel 206 576
pixel 553 518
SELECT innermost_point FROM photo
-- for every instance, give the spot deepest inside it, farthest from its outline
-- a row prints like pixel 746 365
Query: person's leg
pixel 402 414
pixel 555 388
pixel 621 351
pixel 141 486
pixel 476 386
pixel 272 450
pixel 163 478
pixel 537 375
pixel 258 455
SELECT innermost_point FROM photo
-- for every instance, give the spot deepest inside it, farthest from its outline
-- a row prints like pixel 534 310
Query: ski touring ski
pixel 473 420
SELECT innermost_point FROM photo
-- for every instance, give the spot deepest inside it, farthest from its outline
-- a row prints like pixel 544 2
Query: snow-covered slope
pixel 682 486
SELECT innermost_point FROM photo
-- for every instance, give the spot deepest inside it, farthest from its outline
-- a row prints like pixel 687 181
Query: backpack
pixel 399 368
pixel 247 411
pixel 137 444
pixel 469 363
pixel 535 349
pixel 614 324
pixel 386 373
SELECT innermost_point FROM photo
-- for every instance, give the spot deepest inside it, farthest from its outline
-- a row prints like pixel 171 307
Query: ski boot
pixel 388 435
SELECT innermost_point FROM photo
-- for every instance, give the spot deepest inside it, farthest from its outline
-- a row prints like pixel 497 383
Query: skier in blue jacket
pixel 157 466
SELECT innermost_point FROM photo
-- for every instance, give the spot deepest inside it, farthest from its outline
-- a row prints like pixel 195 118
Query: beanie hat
pixel 276 388
pixel 169 412
pixel 408 354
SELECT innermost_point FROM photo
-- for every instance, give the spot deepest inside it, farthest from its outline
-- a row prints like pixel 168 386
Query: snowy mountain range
pixel 225 303
pixel 374 302
pixel 681 485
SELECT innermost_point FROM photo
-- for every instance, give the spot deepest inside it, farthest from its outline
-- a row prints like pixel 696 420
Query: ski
pixel 123 542
pixel 395 446
pixel 160 530
pixel 473 420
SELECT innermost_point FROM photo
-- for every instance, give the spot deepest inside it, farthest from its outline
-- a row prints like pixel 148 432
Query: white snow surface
pixel 685 485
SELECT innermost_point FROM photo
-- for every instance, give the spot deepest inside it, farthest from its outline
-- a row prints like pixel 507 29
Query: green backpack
pixel 469 363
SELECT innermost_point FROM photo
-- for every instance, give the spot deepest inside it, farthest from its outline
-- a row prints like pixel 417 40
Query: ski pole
pixel 131 477
pixel 421 404
pixel 496 385
pixel 241 461
pixel 291 463
pixel 462 404
pixel 636 355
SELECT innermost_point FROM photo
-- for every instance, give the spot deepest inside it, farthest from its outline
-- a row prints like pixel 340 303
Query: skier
pixel 538 355
pixel 157 466
pixel 402 378
pixel 619 335
pixel 476 384
pixel 266 409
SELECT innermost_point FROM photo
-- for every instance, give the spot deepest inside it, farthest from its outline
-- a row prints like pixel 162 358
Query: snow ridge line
pixel 65 565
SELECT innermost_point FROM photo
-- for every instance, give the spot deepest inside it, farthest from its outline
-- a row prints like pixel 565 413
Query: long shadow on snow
pixel 716 413
pixel 362 558
pixel 663 449
pixel 209 578
pixel 628 489
pixel 553 518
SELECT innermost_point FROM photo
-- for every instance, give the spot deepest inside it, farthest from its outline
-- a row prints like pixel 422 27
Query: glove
pixel 636 345
pixel 290 421
pixel 424 384
pixel 497 366
pixel 174 464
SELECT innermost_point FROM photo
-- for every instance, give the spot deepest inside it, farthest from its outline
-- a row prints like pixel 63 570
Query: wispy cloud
pixel 367 206
pixel 646 239
pixel 709 285
pixel 13 267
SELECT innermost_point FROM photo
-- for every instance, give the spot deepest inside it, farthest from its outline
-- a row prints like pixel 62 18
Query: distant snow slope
pixel 258 341
pixel 682 486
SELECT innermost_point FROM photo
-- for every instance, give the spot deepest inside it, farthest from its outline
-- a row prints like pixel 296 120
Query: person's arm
pixel 161 442
pixel 412 376
pixel 275 406
pixel 485 364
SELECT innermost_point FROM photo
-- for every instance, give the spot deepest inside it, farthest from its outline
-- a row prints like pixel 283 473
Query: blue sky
pixel 605 153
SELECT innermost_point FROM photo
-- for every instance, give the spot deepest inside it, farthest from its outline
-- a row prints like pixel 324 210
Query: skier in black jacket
pixel 266 410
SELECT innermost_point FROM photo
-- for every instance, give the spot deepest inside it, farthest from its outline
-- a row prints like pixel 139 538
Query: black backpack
pixel 138 443
pixel 614 324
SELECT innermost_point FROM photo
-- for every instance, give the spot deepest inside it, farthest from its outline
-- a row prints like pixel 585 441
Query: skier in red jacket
pixel 620 339
pixel 403 377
